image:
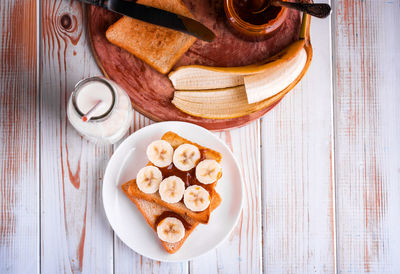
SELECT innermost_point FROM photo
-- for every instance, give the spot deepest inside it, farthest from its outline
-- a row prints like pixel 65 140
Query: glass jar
pixel 111 121
pixel 247 25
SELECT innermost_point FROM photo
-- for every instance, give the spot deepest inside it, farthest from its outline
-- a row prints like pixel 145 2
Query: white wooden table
pixel 321 170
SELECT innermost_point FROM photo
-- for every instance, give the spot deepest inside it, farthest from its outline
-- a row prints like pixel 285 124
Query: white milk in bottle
pixel 100 110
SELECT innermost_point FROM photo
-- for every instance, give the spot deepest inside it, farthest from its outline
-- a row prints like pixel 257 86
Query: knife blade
pixel 157 17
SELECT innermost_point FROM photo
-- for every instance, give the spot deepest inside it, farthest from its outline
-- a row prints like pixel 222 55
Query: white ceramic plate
pixel 129 224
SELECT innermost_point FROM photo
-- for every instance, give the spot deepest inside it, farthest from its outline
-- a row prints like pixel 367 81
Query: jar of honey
pixel 251 25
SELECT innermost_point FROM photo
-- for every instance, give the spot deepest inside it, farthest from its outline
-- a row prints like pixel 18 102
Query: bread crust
pixel 159 47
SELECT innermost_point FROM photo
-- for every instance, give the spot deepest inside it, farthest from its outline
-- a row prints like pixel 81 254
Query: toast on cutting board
pixel 179 207
pixel 159 47
pixel 151 212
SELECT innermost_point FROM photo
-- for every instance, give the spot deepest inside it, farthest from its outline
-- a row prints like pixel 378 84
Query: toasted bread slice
pixel 203 216
pixel 159 47
pixel 151 211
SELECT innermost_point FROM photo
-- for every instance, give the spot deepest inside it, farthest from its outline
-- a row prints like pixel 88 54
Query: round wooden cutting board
pixel 151 92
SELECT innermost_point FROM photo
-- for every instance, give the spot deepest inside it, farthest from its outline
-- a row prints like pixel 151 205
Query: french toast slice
pixel 203 216
pixel 151 211
pixel 159 47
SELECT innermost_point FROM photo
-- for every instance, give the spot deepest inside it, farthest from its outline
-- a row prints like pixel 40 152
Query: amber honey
pixel 254 27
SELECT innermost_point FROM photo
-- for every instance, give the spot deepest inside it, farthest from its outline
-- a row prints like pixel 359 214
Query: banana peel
pixel 220 93
pixel 197 77
pixel 270 82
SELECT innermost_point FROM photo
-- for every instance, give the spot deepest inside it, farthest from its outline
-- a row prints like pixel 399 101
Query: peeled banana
pixel 232 102
pixel 225 93
pixel 197 77
pixel 217 104
pixel 274 79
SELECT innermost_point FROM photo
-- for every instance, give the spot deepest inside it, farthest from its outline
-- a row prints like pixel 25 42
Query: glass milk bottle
pixel 100 110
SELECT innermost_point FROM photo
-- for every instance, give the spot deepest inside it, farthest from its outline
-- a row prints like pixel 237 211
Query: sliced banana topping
pixel 160 153
pixel 186 157
pixel 148 179
pixel 171 230
pixel 207 171
pixel 172 189
pixel 196 198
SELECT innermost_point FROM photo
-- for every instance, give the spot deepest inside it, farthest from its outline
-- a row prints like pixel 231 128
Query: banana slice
pixel 186 156
pixel 148 179
pixel 171 230
pixel 172 189
pixel 160 153
pixel 196 198
pixel 207 171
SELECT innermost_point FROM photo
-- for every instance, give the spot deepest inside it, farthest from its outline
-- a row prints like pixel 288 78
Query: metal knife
pixel 156 16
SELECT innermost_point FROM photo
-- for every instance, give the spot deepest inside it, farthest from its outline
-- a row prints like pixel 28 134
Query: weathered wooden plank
pixel 75 235
pixel 242 252
pixel 367 134
pixel 128 261
pixel 19 176
pixel 297 181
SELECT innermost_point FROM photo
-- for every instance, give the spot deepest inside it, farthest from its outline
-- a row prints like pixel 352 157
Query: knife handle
pixel 99 3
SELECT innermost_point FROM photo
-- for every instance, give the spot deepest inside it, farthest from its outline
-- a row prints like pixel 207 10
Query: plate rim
pixel 235 161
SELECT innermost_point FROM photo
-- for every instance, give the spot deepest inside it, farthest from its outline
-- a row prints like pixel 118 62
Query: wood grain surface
pixel 321 170
pixel 75 235
pixel 19 166
pixel 367 134
pixel 241 253
pixel 297 179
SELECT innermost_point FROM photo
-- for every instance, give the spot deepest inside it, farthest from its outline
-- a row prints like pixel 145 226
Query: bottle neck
pixel 85 84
